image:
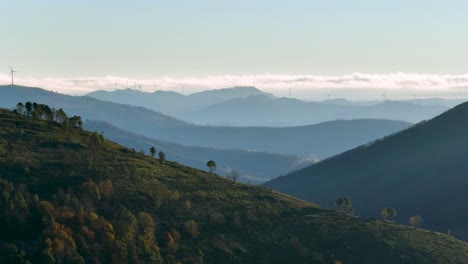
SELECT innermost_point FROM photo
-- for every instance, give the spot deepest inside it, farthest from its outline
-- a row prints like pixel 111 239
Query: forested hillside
pixel 71 196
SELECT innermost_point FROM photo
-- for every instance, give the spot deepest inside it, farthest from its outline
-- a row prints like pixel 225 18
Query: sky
pixel 77 46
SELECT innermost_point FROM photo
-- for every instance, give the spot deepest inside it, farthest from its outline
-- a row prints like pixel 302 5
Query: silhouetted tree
pixel 48 115
pixel 36 110
pixel 162 157
pixel 388 212
pixel 344 204
pixel 34 107
pixel 61 116
pixel 212 165
pixel 152 151
pixel 28 107
pixel 20 108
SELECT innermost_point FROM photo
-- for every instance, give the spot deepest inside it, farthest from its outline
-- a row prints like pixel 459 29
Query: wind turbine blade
pixel 10 68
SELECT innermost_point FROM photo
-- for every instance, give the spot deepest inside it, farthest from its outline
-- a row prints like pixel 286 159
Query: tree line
pixel 44 112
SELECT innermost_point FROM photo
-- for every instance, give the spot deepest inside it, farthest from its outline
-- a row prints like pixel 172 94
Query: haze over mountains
pixel 286 112
pixel 253 166
pixel 248 106
pixel 173 103
pixel 313 141
pixel 420 171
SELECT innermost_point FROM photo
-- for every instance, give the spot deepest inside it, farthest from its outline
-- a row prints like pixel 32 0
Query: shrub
pixel 388 212
pixel 191 227
pixel 416 221
pixel 217 219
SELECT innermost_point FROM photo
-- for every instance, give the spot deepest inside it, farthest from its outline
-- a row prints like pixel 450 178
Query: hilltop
pixel 419 171
pixel 69 195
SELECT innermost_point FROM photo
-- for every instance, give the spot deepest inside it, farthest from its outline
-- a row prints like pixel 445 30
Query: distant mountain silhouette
pixel 230 93
pixel 254 167
pixel 315 141
pixel 437 101
pixel 419 171
pixel 249 106
pixel 434 101
pixel 173 103
pixel 264 111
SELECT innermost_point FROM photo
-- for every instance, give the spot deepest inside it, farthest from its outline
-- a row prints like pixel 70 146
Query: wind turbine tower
pixel 384 96
pixel 12 74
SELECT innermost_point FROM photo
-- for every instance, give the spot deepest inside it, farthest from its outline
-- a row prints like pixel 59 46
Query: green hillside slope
pixel 253 166
pixel 70 196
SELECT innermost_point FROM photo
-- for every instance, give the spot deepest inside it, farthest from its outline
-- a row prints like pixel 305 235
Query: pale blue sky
pixel 146 39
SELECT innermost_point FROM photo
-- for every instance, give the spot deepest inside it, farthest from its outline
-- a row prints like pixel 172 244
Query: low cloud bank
pixel 303 86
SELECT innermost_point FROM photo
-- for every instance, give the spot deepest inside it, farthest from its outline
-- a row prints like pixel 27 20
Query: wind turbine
pixel 384 96
pixel 11 74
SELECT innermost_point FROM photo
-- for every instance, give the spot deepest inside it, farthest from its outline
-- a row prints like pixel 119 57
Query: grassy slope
pixel 237 223
pixel 254 166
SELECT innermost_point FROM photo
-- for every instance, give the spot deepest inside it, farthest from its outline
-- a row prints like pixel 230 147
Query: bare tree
pixel 233 175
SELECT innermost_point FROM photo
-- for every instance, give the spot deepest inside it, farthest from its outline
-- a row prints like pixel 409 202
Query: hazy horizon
pixel 356 50
pixel 354 87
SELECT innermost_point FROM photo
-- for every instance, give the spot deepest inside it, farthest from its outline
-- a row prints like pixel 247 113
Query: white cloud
pixel 275 83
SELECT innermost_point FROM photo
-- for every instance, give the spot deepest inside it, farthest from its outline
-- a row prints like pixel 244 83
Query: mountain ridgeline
pixel 173 103
pixel 264 111
pixel 248 106
pixel 71 196
pixel 420 171
pixel 312 141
